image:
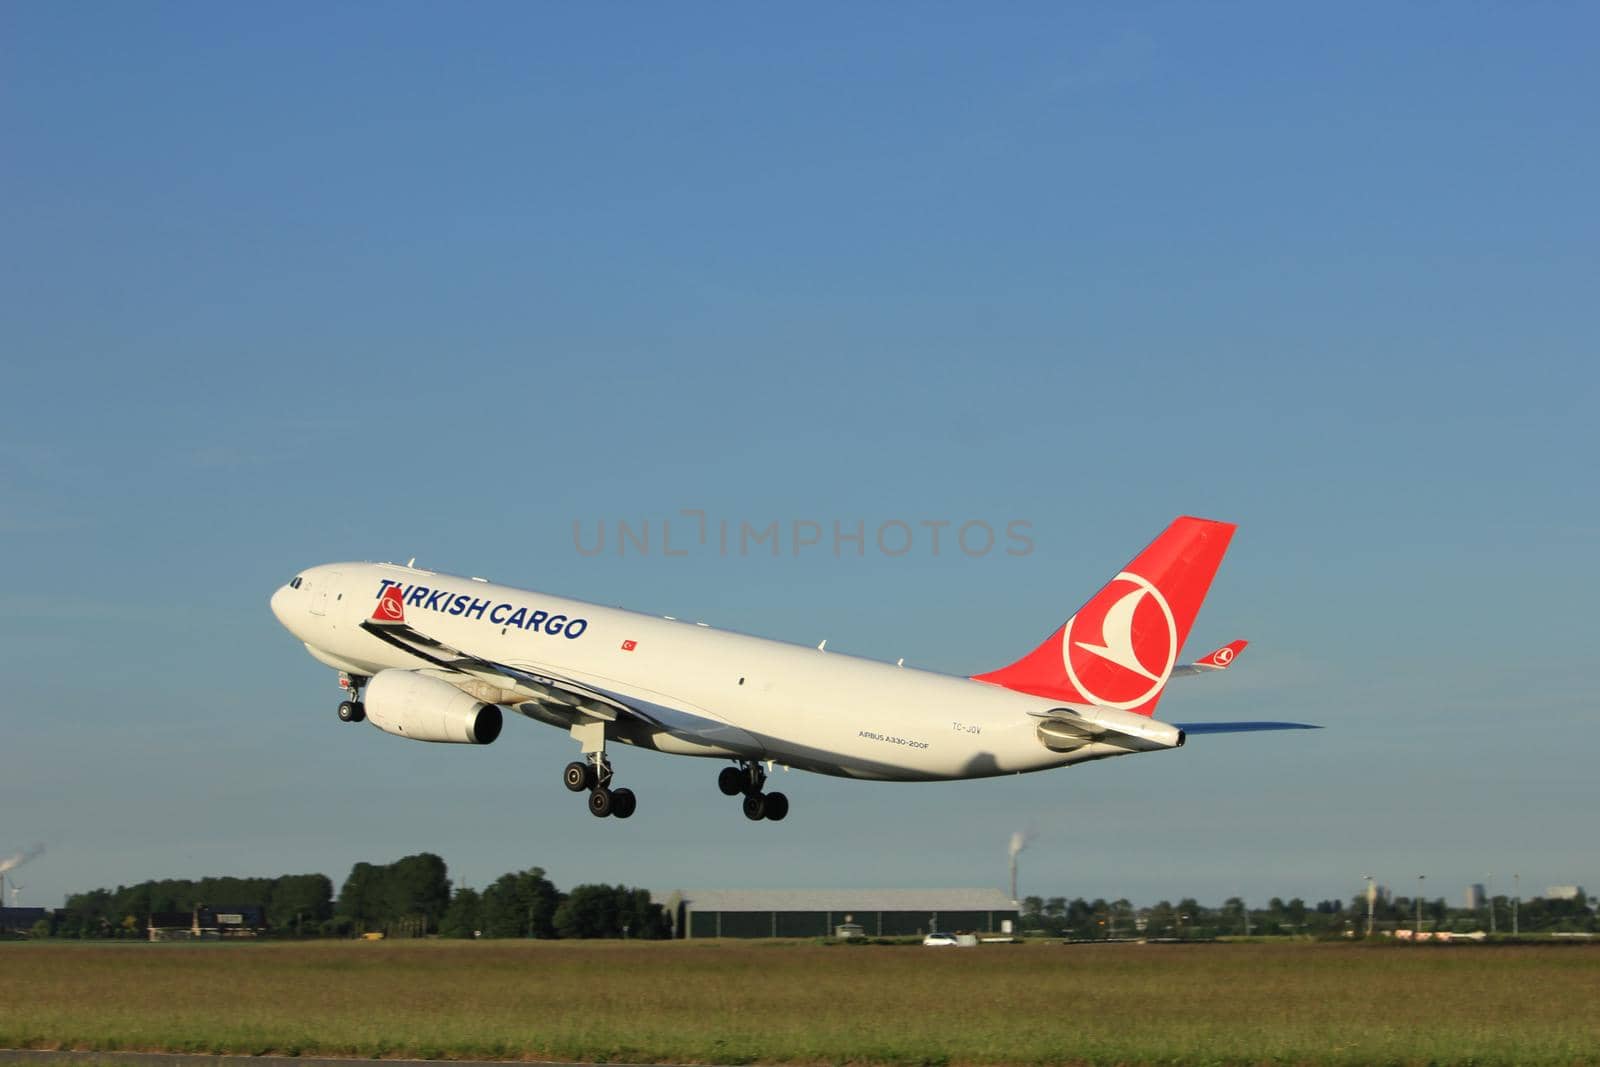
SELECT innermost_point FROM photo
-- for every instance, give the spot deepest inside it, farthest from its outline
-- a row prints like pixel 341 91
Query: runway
pixel 53 1057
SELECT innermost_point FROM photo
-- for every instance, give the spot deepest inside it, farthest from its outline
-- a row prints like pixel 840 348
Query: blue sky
pixel 322 282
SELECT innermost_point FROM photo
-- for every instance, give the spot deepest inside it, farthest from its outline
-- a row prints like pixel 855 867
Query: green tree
pixel 499 913
pixel 520 905
pixel 359 897
pixel 1120 917
pixel 86 915
pixel 1080 919
pixel 1184 917
pixel 588 911
pixel 610 911
pixel 463 917
pixel 416 887
pixel 643 918
pixel 1095 922
pixel 300 903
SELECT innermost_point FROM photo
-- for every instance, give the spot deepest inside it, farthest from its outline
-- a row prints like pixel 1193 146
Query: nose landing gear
pixel 352 710
pixel 748 778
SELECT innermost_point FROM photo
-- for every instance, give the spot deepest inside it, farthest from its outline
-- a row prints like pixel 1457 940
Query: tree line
pixel 413 896
pixel 1188 918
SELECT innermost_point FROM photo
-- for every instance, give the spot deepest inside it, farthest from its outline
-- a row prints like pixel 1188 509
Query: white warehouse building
pixel 820 912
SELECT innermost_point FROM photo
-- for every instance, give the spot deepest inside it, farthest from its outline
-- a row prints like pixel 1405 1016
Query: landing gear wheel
pixel 622 803
pixel 777 806
pixel 351 711
pixel 600 802
pixel 578 777
pixel 755 807
pixel 731 781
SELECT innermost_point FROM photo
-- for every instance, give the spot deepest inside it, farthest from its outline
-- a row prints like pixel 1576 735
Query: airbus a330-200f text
pixel 436 657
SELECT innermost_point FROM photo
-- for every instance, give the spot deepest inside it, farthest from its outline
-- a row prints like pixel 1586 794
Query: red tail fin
pixel 1118 650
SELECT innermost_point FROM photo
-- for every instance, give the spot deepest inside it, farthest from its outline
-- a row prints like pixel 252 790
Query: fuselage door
pixel 321 592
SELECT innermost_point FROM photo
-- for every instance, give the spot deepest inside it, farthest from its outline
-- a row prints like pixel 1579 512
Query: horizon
pixel 1385 890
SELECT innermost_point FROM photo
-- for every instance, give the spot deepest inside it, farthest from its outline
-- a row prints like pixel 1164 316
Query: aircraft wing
pixel 1065 728
pixel 388 625
pixel 1240 727
pixel 1211 662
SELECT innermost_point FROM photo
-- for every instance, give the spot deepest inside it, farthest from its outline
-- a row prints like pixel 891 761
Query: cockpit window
pixel 295 583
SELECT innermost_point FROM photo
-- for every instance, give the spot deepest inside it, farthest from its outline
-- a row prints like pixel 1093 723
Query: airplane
pixel 436 657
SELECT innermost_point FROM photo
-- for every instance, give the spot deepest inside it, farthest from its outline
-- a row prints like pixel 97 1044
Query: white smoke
pixel 17 859
pixel 1019 841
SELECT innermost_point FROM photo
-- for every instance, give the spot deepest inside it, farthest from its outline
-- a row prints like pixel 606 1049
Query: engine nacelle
pixel 408 704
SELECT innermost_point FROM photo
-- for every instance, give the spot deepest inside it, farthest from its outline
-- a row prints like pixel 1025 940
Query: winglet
pixel 1219 660
pixel 391 606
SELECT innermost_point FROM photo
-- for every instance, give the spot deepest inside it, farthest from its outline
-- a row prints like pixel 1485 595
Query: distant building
pixel 207 923
pixel 21 920
pixel 170 926
pixel 822 912
pixel 1476 897
pixel 1565 892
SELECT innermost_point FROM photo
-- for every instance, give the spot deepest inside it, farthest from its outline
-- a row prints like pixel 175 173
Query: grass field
pixel 723 1002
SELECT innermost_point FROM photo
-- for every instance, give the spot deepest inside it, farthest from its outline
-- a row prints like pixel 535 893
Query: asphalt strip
pixel 194 1059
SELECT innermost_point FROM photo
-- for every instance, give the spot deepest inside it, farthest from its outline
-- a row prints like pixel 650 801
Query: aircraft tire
pixel 755 806
pixel 731 781
pixel 576 776
pixel 623 803
pixel 777 806
pixel 600 802
pixel 351 711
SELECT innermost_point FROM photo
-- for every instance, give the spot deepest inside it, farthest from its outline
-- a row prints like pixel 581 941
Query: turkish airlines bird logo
pixel 1222 657
pixel 391 607
pixel 1121 648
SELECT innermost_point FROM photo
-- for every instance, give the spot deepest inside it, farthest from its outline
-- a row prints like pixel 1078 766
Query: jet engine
pixel 423 708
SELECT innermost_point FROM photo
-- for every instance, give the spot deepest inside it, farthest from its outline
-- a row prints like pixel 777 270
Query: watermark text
pixel 693 532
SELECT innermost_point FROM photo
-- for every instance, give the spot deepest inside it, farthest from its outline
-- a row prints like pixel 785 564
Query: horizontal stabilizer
pixel 1241 727
pixel 1212 662
pixel 1063 729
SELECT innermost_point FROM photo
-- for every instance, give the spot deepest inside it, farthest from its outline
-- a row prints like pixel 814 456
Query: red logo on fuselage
pixel 391 607
pixel 1121 648
pixel 629 646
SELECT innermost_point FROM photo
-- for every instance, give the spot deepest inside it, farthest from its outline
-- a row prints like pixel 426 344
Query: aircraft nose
pixel 279 607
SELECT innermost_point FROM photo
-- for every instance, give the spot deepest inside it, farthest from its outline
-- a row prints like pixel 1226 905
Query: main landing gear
pixel 595 776
pixel 352 710
pixel 748 778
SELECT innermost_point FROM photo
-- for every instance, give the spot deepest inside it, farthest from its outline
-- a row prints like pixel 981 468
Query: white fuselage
pixel 740 696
